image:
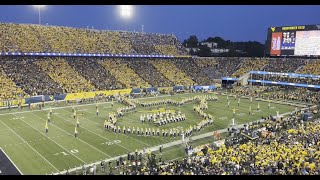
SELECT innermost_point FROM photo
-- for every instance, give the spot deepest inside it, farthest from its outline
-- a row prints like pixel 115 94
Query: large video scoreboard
pixel 293 41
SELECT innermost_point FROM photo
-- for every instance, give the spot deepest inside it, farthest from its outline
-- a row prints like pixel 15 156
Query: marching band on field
pixel 162 118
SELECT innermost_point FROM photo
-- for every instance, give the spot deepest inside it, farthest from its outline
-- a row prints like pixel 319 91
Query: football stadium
pixel 78 101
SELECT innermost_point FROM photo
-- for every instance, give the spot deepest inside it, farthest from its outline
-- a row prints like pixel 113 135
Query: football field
pixel 33 151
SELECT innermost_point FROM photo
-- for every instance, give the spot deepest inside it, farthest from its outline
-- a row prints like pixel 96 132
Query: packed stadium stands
pixel 9 89
pixel 312 67
pixel 217 67
pixel 30 77
pixel 67 77
pixel 149 73
pixel 172 72
pixel 249 64
pixel 192 70
pixel 284 65
pixel 124 74
pixel 58 39
pixel 56 75
pixel 286 78
pixel 95 73
pixel 53 75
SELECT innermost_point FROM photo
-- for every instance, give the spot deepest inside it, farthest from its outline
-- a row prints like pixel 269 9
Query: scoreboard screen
pixel 293 41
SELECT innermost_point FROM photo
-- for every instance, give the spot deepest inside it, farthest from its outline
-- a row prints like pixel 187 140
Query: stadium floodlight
pixel 39 10
pixel 126 11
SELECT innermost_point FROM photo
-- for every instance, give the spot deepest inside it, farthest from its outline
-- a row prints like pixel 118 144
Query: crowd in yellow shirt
pixel 250 64
pixel 149 73
pixel 59 39
pixel 171 72
pixel 312 67
pixel 67 77
pixel 9 89
pixel 124 74
pixel 204 62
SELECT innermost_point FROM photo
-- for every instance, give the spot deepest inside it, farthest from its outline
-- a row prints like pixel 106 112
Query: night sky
pixel 235 23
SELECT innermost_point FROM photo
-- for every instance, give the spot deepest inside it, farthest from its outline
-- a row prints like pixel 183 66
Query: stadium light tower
pixel 39 10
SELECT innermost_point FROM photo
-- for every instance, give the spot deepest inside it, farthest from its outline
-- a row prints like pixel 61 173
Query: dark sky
pixel 235 23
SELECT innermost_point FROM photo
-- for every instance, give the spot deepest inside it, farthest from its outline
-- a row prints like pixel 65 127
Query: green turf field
pixel 23 137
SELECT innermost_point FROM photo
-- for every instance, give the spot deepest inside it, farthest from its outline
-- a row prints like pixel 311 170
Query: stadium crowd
pixel 171 72
pixel 67 77
pixel 249 64
pixel 312 67
pixel 29 77
pixel 124 74
pixel 192 70
pixel 149 73
pixel 59 39
pixel 286 78
pixel 284 65
pixel 90 69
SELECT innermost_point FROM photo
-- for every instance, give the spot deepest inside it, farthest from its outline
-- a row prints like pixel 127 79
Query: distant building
pixel 210 45
pixel 194 49
pixel 214 47
pixel 216 50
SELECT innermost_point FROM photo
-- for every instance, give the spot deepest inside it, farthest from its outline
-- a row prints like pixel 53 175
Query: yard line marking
pixel 93 132
pixel 51 140
pixel 11 161
pixel 71 135
pixel 30 146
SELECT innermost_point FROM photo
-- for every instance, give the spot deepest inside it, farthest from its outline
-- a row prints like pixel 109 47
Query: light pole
pixel 39 11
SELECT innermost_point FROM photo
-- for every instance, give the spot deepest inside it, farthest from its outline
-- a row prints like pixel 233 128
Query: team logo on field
pixel 222 118
pixel 241 114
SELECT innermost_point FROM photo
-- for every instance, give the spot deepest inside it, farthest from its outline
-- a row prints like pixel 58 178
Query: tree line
pixel 236 49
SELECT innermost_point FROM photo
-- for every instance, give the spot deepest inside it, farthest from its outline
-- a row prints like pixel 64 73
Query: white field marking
pixel 80 110
pixel 112 142
pixel 93 133
pixel 50 139
pixel 11 161
pixel 70 106
pixel 71 135
pixel 241 114
pixel 223 118
pixel 30 146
